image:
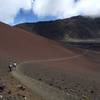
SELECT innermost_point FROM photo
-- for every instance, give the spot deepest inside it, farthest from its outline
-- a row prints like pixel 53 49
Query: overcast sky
pixel 17 11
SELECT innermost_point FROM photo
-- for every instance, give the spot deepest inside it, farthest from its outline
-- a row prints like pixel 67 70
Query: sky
pixel 13 12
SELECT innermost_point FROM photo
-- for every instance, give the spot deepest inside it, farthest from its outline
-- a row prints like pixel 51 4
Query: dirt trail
pixel 45 91
pixel 51 60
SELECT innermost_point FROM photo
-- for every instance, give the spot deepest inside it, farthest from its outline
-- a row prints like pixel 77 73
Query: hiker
pixel 14 65
pixel 10 67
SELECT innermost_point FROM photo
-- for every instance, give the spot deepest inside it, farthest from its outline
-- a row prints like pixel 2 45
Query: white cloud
pixel 42 8
pixel 66 8
pixel 58 8
pixel 9 9
pixel 89 7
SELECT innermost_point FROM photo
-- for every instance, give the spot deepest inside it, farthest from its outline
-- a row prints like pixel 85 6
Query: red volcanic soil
pixel 51 60
pixel 22 45
pixel 79 76
pixel 18 44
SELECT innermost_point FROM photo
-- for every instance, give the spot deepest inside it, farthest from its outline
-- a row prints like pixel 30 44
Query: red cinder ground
pixel 49 58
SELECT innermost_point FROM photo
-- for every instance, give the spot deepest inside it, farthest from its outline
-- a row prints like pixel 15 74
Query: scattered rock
pixel 21 87
pixel 59 88
pixel 9 92
pixel 66 89
pixel 51 84
pixel 2 87
pixel 25 98
pixel 40 79
pixel 91 91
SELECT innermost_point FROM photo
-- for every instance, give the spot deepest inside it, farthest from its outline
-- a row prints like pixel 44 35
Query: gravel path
pixel 82 86
pixel 45 91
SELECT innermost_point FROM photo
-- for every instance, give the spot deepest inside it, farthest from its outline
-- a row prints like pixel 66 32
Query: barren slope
pixel 71 28
pixel 76 76
pixel 47 61
pixel 17 43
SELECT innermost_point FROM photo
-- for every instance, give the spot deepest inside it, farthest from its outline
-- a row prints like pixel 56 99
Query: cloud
pixel 9 9
pixel 89 8
pixel 43 8
pixel 58 8
pixel 67 8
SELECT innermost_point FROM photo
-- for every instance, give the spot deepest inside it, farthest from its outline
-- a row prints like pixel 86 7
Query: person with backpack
pixel 10 67
pixel 14 65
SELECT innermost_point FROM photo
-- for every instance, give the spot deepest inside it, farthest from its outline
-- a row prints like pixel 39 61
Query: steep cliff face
pixel 75 28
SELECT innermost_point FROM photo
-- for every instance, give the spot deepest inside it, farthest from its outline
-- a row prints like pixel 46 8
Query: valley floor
pixel 10 87
pixel 71 78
